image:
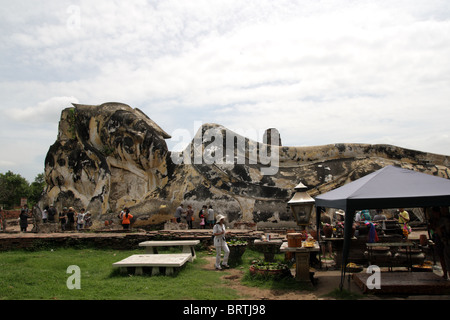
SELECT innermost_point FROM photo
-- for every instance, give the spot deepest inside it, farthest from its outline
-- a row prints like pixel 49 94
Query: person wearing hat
pixel 220 242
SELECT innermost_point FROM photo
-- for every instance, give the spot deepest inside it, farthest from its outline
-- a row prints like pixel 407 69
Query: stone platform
pixel 408 283
pixel 170 262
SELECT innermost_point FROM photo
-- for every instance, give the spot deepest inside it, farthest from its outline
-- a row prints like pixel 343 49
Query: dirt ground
pixel 327 282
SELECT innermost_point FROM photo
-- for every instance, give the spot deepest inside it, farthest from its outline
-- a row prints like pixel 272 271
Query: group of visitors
pixel 206 216
pixel 208 220
pixel 403 218
pixel 69 218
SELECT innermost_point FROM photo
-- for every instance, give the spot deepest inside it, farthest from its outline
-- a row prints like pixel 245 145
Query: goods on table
pixel 353 267
pixel 309 244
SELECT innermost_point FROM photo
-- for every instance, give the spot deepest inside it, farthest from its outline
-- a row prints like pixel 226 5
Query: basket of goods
pixel 424 267
pixel 309 243
pixel 354 268
pixel 264 268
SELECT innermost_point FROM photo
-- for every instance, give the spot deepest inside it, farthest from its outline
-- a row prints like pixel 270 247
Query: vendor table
pixel 407 245
pixel 336 246
pixel 269 248
pixel 188 246
pixel 301 259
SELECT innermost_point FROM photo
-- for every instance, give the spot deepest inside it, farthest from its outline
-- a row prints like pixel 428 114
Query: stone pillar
pixel 269 133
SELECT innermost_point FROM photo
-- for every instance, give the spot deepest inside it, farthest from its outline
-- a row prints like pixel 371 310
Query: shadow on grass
pixel 343 295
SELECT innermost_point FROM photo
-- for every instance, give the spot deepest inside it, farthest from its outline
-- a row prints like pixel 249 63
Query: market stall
pixel 387 188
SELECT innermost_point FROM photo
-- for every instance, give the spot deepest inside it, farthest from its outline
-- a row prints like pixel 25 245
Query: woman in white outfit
pixel 220 242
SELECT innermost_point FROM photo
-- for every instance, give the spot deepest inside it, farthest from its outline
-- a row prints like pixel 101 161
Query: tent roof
pixel 389 187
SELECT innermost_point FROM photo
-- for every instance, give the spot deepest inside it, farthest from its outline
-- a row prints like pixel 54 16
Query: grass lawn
pixel 42 275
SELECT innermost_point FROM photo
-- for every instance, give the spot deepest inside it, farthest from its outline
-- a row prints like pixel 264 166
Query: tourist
pixel 210 218
pixel 63 218
pixel 220 242
pixel 120 215
pixel 180 211
pixel 52 213
pixel 403 220
pixel 71 218
pixel 379 216
pixel 126 219
pixel 189 216
pixel 444 223
pixel 202 215
pixel 23 217
pixel 440 234
pixel 45 215
pixel 80 219
pixel 365 216
pixel 87 220
pixel 435 232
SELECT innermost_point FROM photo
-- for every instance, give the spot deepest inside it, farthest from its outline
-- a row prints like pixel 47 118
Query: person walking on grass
pixel 220 242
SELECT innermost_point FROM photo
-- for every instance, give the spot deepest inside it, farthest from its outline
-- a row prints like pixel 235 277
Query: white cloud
pixel 320 71
pixel 48 111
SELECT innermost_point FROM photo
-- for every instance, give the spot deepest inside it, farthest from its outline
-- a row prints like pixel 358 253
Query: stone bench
pixel 155 261
pixel 188 246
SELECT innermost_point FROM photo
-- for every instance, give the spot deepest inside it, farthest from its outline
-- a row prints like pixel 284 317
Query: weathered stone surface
pixel 105 157
pixel 111 155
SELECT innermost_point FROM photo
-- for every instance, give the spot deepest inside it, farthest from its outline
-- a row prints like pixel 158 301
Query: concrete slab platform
pixel 188 246
pixel 155 261
pixel 409 283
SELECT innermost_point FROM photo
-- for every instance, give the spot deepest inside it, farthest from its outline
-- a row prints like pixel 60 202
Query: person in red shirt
pixel 126 219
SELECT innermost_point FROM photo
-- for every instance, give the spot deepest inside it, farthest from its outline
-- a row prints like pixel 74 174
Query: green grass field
pixel 43 275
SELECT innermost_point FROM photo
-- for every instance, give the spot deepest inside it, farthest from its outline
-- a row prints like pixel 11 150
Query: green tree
pixel 36 188
pixel 12 188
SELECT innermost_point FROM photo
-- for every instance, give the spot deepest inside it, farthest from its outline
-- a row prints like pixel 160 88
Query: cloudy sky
pixel 320 71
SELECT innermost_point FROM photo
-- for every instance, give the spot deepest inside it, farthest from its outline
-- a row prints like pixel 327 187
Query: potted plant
pixel 264 268
pixel 237 248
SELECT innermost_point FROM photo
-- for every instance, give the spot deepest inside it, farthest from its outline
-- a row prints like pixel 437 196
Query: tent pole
pixel 348 225
pixel 318 212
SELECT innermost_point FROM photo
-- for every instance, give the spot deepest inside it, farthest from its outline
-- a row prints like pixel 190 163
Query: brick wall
pixel 10 214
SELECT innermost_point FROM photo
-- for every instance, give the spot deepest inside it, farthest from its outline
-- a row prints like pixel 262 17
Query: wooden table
pixel 301 259
pixel 188 246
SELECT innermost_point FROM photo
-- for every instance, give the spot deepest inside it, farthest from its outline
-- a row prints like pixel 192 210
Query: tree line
pixel 13 187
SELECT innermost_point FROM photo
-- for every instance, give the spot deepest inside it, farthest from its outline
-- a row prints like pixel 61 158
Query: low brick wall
pixel 108 240
pixel 10 214
pixel 46 241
